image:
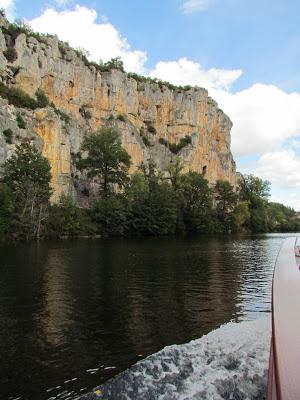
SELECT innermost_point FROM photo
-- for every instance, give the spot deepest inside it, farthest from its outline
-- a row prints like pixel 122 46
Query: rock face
pixel 148 115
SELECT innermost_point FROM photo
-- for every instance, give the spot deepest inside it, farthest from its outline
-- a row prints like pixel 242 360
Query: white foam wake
pixel 228 363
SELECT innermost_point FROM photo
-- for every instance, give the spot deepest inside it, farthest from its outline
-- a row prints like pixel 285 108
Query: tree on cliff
pixel 27 176
pixel 105 159
pixel 114 63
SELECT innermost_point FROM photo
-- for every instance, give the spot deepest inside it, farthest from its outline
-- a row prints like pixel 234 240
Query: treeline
pixel 147 202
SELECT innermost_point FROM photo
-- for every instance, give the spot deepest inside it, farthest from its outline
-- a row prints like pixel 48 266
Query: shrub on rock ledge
pixel 10 54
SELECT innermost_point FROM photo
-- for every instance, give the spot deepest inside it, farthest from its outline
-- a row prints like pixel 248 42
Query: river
pixel 75 313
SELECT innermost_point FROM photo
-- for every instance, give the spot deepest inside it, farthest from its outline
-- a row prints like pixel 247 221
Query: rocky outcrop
pixel 149 116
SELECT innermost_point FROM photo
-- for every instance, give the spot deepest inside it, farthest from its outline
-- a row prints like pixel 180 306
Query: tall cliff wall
pixel 148 115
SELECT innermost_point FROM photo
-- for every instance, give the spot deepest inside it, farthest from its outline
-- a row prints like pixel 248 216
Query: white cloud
pixel 79 27
pixel 282 168
pixel 9 8
pixel 192 6
pixel 187 72
pixel 62 3
pixel 264 117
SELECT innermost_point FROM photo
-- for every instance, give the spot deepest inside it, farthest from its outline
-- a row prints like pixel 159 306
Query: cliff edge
pixel 157 121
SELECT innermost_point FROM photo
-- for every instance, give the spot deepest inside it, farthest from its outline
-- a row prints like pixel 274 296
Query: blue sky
pixel 260 37
pixel 247 53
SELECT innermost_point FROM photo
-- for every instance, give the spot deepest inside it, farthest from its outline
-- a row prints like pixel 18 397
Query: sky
pixel 246 53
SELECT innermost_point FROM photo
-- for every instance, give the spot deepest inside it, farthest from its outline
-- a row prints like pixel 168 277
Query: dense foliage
pixel 25 193
pixel 152 203
pixel 106 159
pixel 149 202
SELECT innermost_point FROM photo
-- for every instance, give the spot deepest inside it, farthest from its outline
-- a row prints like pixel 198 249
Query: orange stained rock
pixel 56 149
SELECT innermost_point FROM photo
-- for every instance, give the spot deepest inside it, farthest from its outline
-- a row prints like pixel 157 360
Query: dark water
pixel 69 307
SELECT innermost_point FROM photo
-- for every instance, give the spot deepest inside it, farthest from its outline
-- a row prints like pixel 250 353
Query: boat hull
pixel 284 366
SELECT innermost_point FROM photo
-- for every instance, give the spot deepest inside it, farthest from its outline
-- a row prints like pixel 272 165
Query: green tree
pixel 64 218
pixel 154 212
pixel 138 184
pixel 241 215
pixel 174 170
pixel 225 201
pixel 111 215
pixel 27 174
pixel 153 177
pixel 253 189
pixel 105 159
pixel 282 218
pixel 115 63
pixel 256 192
pixel 152 201
pixel 196 202
pixel 6 211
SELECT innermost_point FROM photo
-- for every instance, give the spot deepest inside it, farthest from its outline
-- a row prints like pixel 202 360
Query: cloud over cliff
pixel 187 72
pixel 9 7
pixel 79 27
pixel 265 117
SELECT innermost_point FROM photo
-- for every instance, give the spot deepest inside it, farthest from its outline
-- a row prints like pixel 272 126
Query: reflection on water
pixel 73 314
pixel 56 315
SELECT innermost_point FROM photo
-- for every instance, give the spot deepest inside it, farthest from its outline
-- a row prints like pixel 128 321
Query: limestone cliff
pixel 148 115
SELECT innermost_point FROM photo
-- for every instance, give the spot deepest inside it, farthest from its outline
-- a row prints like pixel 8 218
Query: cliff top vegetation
pixel 13 30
